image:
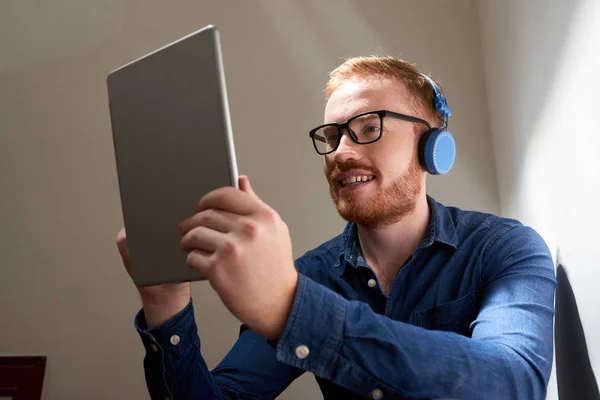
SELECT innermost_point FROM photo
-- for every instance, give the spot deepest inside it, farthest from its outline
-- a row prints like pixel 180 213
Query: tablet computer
pixel 173 144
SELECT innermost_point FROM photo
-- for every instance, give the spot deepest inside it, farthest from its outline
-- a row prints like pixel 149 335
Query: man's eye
pixel 331 136
pixel 370 129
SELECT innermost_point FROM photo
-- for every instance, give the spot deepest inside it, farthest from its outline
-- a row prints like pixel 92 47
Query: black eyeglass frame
pixel 346 126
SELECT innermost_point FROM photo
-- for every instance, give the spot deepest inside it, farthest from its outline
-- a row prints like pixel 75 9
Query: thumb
pixel 245 186
pixel 123 249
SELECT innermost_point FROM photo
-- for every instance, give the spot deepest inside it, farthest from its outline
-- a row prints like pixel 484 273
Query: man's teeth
pixel 357 179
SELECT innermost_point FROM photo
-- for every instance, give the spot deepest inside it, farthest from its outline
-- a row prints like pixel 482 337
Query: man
pixel 412 300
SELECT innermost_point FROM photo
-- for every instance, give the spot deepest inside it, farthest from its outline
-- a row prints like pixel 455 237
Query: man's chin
pixel 350 211
pixel 352 205
pixel 357 208
pixel 369 214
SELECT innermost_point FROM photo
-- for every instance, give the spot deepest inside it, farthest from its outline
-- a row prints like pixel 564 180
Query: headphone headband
pixel 437 149
pixel 439 100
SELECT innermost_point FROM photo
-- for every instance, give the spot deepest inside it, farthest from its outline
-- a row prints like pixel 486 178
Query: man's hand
pixel 160 302
pixel 244 249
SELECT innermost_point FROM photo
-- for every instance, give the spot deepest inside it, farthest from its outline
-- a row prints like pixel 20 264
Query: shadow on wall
pixel 539 61
pixel 443 39
pixel 335 30
pixel 561 159
pixel 523 44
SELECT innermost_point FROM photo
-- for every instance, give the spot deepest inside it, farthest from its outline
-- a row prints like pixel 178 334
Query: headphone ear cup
pixel 437 151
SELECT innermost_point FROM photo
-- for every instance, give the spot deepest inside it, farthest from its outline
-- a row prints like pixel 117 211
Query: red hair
pixel 391 67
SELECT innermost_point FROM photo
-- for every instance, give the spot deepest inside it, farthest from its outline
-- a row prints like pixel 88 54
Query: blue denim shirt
pixel 469 316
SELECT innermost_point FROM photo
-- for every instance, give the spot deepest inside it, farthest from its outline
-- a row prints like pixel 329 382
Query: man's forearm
pixel 173 365
pixel 160 309
pixel 348 343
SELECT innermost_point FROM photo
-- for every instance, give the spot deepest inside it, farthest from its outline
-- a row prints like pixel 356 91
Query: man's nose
pixel 347 150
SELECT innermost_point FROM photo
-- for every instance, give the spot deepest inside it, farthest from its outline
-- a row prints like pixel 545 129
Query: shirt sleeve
pixel 175 369
pixel 509 355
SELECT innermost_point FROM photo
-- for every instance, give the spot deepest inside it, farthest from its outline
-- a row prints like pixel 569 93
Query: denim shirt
pixel 469 316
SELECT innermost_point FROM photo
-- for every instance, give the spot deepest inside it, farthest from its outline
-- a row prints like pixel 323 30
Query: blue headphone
pixel 437 148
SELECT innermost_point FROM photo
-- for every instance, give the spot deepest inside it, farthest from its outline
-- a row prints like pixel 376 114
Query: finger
pixel 201 261
pixel 218 220
pixel 244 183
pixel 202 238
pixel 122 244
pixel 228 199
pixel 123 249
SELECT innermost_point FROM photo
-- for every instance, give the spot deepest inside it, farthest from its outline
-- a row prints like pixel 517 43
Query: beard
pixel 387 205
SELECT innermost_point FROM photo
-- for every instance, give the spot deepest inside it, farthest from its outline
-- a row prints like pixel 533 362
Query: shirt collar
pixel 441 229
pixel 441 226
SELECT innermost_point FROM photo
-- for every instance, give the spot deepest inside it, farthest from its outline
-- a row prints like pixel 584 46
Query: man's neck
pixel 385 250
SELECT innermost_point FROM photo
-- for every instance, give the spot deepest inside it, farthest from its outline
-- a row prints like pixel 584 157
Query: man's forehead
pixel 356 96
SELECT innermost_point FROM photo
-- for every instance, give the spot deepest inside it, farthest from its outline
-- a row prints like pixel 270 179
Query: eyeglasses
pixel 363 128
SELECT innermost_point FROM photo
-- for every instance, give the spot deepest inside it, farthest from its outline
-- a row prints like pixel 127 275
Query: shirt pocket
pixel 454 316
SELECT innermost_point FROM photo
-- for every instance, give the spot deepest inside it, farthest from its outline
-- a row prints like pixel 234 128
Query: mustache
pixel 338 169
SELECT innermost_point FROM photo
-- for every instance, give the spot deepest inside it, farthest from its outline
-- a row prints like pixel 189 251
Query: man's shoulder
pixel 323 256
pixel 471 227
pixel 495 236
pixel 468 221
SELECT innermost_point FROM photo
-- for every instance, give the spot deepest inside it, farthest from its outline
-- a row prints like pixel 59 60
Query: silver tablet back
pixel 173 144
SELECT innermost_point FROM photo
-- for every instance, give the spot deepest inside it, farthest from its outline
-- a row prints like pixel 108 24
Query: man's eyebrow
pixel 348 116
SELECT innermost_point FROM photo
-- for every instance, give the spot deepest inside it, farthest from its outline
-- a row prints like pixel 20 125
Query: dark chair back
pixel 576 380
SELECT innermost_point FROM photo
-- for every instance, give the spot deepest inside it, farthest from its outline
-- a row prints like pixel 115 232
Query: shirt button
pixel 154 347
pixel 372 282
pixel 376 394
pixel 302 352
pixel 175 340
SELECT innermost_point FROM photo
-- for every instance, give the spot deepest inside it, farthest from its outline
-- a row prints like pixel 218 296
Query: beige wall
pixel 63 291
pixel 539 61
